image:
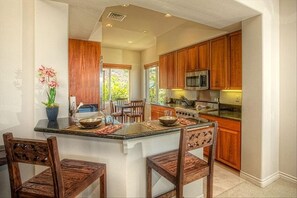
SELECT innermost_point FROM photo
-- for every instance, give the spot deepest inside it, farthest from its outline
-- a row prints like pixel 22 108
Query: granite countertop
pixel 219 113
pixel 128 131
pixel 172 105
pixel 224 114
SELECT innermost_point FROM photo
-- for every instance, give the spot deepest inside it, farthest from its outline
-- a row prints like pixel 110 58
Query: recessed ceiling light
pixel 168 15
pixel 130 42
pixel 144 31
pixel 125 5
pixel 108 25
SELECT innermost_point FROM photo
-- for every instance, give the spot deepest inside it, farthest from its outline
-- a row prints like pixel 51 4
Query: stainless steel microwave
pixel 198 80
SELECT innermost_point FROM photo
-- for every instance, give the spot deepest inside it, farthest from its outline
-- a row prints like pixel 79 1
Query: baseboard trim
pixel 288 177
pixel 260 182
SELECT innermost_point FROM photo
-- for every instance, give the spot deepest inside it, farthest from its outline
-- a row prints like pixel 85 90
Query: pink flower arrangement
pixel 47 77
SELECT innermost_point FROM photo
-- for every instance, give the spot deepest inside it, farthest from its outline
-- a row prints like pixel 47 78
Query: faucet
pixel 75 109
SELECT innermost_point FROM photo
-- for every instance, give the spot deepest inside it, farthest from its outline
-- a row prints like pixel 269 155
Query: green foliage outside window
pixel 118 84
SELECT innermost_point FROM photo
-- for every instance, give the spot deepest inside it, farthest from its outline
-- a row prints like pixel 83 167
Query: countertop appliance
pixel 198 80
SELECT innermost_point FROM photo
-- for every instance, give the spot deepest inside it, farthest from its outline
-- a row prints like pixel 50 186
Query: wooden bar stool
pixel 66 178
pixel 180 167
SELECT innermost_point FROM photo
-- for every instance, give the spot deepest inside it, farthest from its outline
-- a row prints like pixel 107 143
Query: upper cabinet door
pixel 203 55
pixel 192 59
pixel 84 58
pixel 235 60
pixel 182 61
pixel 171 70
pixel 218 63
pixel 163 71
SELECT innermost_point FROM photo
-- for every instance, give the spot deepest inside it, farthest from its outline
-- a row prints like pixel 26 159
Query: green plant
pixel 47 77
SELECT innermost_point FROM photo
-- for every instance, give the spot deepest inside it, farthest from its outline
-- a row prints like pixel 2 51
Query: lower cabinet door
pixel 228 147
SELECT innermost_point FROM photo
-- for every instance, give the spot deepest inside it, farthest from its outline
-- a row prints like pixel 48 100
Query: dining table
pixel 121 108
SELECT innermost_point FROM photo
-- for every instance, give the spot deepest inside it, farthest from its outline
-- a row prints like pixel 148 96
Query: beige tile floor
pixel 227 183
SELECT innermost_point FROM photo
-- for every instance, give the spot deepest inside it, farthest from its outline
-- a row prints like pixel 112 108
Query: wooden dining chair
pixel 180 167
pixel 136 111
pixel 116 113
pixel 66 178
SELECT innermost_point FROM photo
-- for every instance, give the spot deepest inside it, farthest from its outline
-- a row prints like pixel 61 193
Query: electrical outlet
pixel 237 99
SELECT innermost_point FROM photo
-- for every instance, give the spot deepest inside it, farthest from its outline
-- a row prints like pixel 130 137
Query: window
pixel 153 93
pixel 115 84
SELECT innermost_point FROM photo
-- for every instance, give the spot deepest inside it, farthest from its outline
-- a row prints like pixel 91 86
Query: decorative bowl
pixel 168 120
pixel 90 122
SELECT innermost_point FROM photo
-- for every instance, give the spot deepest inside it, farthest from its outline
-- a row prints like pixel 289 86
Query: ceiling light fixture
pixel 108 25
pixel 125 5
pixel 130 42
pixel 144 31
pixel 168 15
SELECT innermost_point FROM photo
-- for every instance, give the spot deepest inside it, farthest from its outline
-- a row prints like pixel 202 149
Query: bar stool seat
pixel 180 167
pixel 194 167
pixel 66 178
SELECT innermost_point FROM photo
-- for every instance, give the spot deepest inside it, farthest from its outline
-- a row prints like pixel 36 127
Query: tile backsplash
pixel 232 97
pixel 191 95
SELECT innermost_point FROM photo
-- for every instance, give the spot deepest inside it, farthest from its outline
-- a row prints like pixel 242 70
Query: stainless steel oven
pixel 197 80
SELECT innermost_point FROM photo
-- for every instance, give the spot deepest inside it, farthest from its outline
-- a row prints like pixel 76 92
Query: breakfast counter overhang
pixel 124 152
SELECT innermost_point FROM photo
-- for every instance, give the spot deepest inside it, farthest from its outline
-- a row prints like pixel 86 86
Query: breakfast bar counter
pixel 124 152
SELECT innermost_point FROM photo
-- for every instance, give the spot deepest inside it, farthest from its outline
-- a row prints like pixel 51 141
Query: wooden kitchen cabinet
pixel 83 68
pixel 198 57
pixel 158 111
pixel 203 55
pixel 228 150
pixel 235 60
pixel 192 64
pixel 167 71
pixel 171 71
pixel 219 72
pixel 163 62
pixel 181 63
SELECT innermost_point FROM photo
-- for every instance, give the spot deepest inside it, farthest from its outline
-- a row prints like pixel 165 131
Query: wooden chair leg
pixel 209 186
pixel 148 181
pixel 103 185
pixel 179 191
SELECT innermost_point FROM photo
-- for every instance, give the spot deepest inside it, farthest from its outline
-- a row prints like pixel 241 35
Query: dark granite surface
pixel 224 114
pixel 220 113
pixel 172 105
pixel 128 131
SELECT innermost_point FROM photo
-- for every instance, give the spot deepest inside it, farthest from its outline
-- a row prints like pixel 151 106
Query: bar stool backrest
pixel 37 152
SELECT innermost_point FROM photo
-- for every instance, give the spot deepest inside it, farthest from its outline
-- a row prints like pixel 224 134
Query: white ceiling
pixel 85 14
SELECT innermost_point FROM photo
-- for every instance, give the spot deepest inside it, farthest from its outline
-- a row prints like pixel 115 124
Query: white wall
pixel 260 118
pixel 51 50
pixel 16 77
pixel 251 122
pixel 147 56
pixel 18 54
pixel 288 138
pixel 121 56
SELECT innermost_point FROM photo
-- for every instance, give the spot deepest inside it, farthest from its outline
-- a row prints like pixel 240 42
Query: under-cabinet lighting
pixel 232 90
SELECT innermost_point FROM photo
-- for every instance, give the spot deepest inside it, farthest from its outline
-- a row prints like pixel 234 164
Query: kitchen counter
pixel 224 114
pixel 171 105
pixel 124 152
pixel 128 131
pixel 218 113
